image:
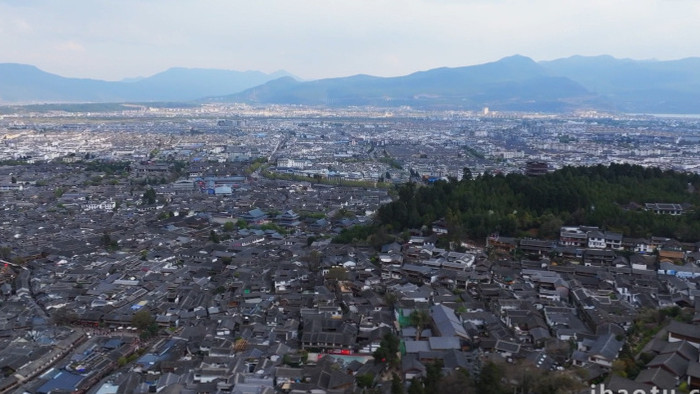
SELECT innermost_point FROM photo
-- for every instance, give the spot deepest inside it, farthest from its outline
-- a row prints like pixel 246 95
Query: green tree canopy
pixel 142 319
pixel 149 196
pixel 420 318
pixel 610 197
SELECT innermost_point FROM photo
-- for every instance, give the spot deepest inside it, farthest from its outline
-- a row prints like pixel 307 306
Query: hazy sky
pixel 328 38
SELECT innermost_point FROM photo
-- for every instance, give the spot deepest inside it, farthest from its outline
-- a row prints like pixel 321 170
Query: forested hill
pixel 611 197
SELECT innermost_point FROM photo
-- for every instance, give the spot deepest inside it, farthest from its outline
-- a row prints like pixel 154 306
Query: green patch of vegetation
pixel 219 290
pixel 343 213
pixel 152 181
pixel 179 167
pixel 311 215
pixel 365 380
pixel 496 378
pixel 391 162
pixel 94 181
pixel 149 196
pixel 565 139
pixel 337 273
pixel 354 234
pixel 108 167
pixel 273 227
pixel 145 322
pixel 473 152
pixel 11 162
pixel 228 227
pixel 650 321
pixel 388 351
pixel 109 243
pixel 257 164
pixel 516 205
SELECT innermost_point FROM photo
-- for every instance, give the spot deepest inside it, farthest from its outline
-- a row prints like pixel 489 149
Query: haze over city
pixel 319 39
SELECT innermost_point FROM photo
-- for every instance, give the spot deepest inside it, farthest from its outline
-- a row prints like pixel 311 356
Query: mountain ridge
pixel 657 86
pixel 22 83
pixel 513 83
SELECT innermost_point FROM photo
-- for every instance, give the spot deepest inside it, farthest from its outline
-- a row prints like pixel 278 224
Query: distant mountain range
pixel 515 83
pixel 646 86
pixel 21 83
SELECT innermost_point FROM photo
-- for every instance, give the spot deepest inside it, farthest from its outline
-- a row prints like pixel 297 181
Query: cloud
pixel 69 46
pixel 22 26
pixel 326 38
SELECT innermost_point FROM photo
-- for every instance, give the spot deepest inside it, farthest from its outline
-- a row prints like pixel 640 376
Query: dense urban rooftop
pixel 194 250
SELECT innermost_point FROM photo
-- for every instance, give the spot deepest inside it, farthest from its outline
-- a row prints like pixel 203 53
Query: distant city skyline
pixel 316 39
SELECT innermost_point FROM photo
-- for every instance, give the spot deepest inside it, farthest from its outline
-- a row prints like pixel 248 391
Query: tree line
pixel 610 197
